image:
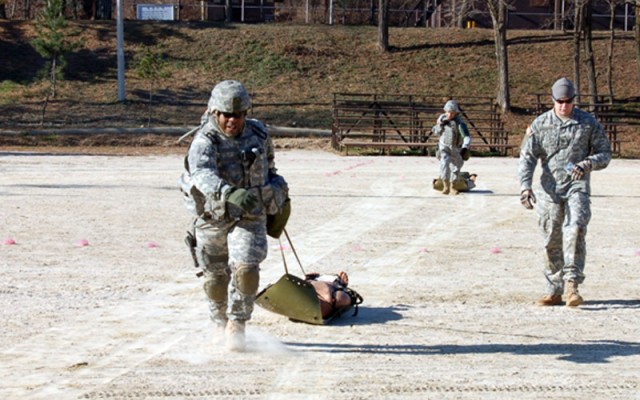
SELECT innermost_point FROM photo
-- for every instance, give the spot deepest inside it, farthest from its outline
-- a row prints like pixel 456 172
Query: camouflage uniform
pixel 453 134
pixel 563 204
pixel 231 243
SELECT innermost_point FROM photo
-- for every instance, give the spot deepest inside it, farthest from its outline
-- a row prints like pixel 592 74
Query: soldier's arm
pixel 204 170
pixel 464 132
pixel 271 157
pixel 528 159
pixel 600 148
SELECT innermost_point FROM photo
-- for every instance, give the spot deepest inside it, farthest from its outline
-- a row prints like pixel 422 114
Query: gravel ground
pixel 99 299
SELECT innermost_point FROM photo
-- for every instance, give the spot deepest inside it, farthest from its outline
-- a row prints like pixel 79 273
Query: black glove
pixel 464 153
pixel 527 199
pixel 243 199
pixel 581 169
pixel 442 121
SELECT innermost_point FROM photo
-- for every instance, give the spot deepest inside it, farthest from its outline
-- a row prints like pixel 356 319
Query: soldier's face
pixel 450 115
pixel 563 107
pixel 231 124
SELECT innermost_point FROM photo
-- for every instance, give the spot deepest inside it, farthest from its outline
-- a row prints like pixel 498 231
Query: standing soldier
pixel 453 146
pixel 570 143
pixel 230 185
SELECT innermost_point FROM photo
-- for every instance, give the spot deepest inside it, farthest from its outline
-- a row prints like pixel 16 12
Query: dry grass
pixel 291 69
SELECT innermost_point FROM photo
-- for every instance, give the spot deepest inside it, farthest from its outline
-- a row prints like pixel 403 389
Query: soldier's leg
pixel 456 164
pixel 575 230
pixel 247 249
pixel 550 219
pixel 445 169
pixel 445 164
pixel 213 256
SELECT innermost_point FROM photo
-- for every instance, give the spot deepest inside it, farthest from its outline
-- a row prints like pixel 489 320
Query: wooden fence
pixel 385 122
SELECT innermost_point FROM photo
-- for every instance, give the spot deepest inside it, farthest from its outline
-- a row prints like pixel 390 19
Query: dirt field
pixel 99 298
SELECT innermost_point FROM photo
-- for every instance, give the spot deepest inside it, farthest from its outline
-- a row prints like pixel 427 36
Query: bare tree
pixel 461 13
pixel 498 11
pixel 582 34
pixel 383 25
pixel 638 37
pixel 612 37
pixel 578 17
pixel 589 56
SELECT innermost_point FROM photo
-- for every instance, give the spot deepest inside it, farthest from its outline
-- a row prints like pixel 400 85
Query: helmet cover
pixel 229 97
pixel 452 106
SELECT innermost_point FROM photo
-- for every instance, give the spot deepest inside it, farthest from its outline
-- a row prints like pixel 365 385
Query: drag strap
pixel 284 261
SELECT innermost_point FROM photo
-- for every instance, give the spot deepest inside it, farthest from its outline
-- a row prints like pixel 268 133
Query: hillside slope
pixel 292 70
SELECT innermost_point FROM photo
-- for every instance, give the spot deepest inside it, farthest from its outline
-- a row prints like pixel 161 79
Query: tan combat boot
pixel 571 294
pixel 550 300
pixel 235 335
pixel 445 187
pixel 219 333
pixel 453 190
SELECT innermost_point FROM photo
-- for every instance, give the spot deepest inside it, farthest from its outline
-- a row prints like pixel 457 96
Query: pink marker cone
pixel 82 242
pixel 495 250
pixel 9 241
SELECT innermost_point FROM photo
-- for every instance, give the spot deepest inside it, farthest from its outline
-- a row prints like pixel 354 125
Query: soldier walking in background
pixel 230 185
pixel 453 145
pixel 570 143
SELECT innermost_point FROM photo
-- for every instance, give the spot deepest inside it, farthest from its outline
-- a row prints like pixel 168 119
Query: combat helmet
pixel 452 106
pixel 229 97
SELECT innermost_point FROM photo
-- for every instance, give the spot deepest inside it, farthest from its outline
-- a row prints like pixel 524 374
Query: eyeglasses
pixel 228 115
pixel 567 101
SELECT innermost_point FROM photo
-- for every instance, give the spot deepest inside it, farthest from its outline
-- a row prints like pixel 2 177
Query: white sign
pixel 161 12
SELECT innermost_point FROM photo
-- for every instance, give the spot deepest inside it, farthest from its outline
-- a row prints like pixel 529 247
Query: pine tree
pixel 150 66
pixel 54 42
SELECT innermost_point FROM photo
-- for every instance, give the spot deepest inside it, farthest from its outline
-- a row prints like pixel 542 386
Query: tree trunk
pixel 372 17
pixel 54 65
pixel 638 38
pixel 589 57
pixel 498 11
pixel 44 108
pixel 228 10
pixel 556 15
pixel 577 31
pixel 383 25
pixel 150 104
pixel 612 37
pixel 462 13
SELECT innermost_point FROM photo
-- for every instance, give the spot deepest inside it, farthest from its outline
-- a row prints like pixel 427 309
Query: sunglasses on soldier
pixel 228 115
pixel 565 101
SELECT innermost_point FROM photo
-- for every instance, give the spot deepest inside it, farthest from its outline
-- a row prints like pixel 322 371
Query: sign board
pixel 161 12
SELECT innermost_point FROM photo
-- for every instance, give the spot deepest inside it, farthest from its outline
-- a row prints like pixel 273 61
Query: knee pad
pixel 215 286
pixel 247 279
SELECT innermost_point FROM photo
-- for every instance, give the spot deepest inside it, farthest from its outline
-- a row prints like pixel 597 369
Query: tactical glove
pixel 581 169
pixel 527 199
pixel 464 153
pixel 243 199
pixel 442 121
